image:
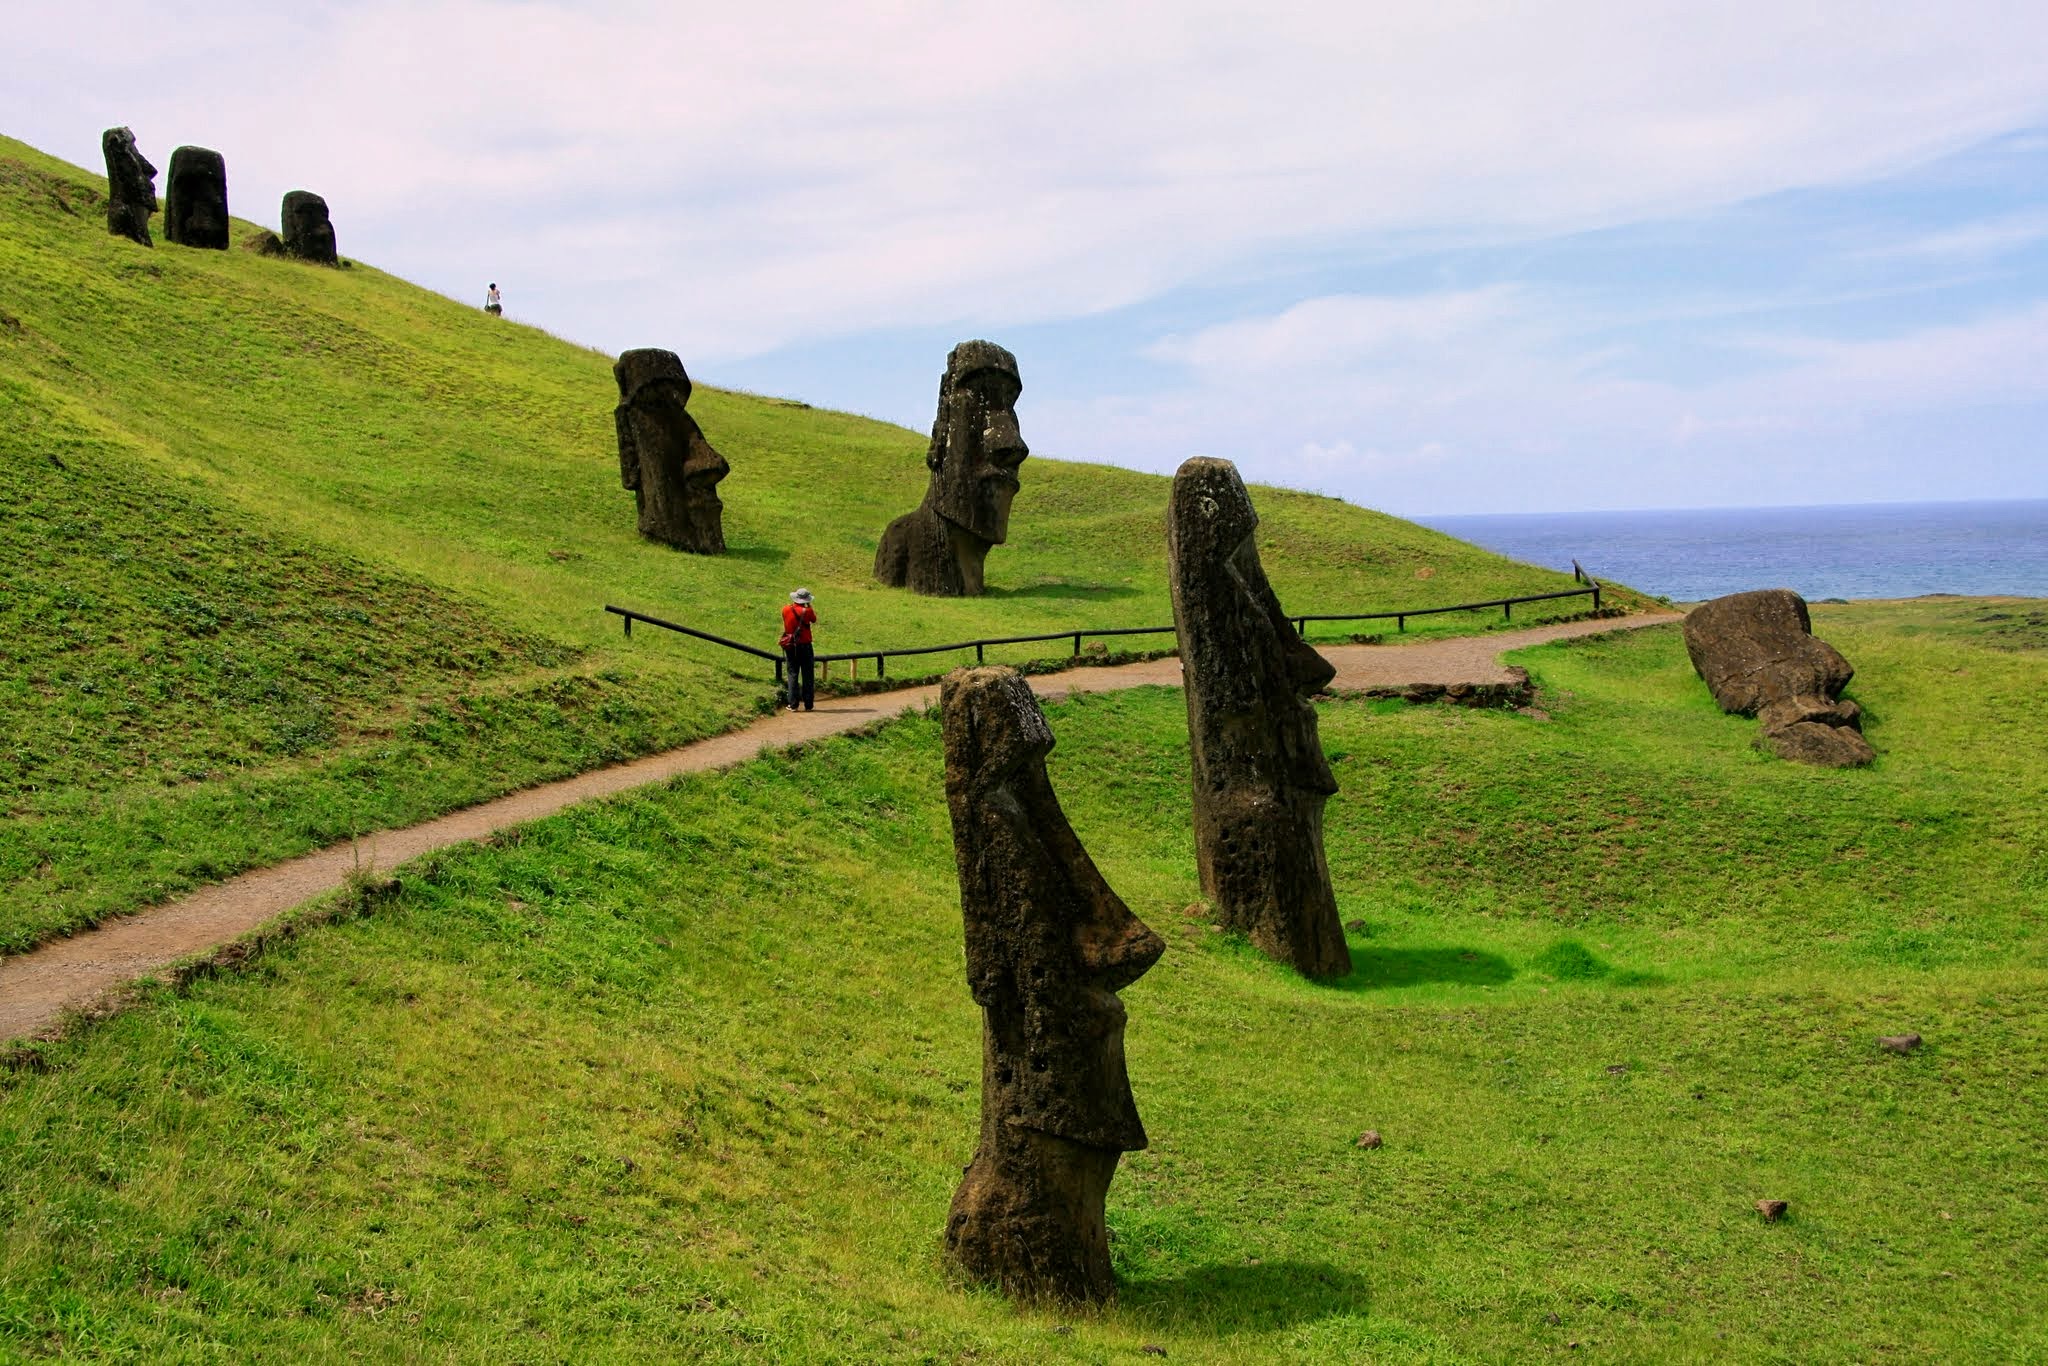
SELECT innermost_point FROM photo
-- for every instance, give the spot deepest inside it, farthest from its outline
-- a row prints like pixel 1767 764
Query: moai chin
pixel 663 456
pixel 1048 947
pixel 131 187
pixel 1260 778
pixel 308 231
pixel 973 458
pixel 196 199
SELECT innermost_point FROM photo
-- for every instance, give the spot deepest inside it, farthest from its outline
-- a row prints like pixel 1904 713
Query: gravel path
pixel 37 987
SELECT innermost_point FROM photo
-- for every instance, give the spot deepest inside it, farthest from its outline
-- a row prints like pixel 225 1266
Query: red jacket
pixel 796 621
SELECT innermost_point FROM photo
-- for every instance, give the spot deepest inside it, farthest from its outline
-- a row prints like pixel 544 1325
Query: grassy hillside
pixel 692 1073
pixel 292 552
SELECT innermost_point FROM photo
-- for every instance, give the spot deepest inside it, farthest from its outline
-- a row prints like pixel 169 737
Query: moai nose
pixel 1002 441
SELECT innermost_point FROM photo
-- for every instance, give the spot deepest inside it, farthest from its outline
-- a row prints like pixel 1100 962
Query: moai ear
pixel 629 453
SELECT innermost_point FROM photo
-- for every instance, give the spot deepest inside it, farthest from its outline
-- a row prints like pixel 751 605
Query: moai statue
pixel 663 456
pixel 1758 656
pixel 131 186
pixel 308 232
pixel 1048 947
pixel 973 459
pixel 196 199
pixel 1260 777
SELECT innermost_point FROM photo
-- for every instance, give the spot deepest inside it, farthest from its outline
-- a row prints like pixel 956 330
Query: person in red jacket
pixel 797 666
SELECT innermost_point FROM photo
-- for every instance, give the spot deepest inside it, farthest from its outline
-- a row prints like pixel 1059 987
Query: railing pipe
pixel 631 616
pixel 881 657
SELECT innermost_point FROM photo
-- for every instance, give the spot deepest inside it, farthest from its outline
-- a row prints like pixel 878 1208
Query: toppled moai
pixel 131 186
pixel 196 199
pixel 1048 947
pixel 973 459
pixel 1759 657
pixel 1260 778
pixel 663 456
pixel 308 231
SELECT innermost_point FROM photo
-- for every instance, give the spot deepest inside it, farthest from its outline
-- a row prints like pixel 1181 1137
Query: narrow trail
pixel 37 987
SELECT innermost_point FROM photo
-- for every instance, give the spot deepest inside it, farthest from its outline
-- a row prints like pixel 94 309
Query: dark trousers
pixel 799 675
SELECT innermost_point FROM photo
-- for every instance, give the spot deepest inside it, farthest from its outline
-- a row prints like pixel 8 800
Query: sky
pixel 1464 257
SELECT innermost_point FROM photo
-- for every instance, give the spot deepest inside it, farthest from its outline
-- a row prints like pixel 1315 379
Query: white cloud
pixel 745 177
pixel 1338 332
pixel 1991 237
pixel 1995 359
pixel 1478 401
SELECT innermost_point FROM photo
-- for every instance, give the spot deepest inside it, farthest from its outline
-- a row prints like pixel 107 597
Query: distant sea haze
pixel 1870 550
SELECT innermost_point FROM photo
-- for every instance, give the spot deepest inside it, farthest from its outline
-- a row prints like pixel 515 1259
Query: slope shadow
pixel 1228 1298
pixel 762 554
pixel 1374 968
pixel 1078 592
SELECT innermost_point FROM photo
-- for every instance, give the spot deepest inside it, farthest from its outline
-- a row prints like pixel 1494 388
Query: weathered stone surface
pixel 1758 655
pixel 1048 947
pixel 308 232
pixel 196 199
pixel 973 458
pixel 131 186
pixel 663 456
pixel 1260 778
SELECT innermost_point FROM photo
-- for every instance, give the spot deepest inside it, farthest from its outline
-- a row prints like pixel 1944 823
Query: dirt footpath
pixel 37 987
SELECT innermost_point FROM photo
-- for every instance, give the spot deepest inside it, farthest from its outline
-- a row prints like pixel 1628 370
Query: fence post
pixel 778 670
pixel 1507 611
pixel 1077 644
pixel 629 625
pixel 1400 621
pixel 881 669
pixel 1596 597
pixel 977 652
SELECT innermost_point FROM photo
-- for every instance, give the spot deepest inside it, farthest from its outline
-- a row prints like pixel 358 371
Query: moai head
pixel 663 456
pixel 1048 943
pixel 1758 656
pixel 308 232
pixel 976 447
pixel 131 186
pixel 1756 648
pixel 1213 563
pixel 196 199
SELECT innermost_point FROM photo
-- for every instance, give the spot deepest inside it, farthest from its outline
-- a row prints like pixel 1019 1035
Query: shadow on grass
pixel 1570 961
pixel 1373 968
pixel 1073 592
pixel 1229 1298
pixel 760 554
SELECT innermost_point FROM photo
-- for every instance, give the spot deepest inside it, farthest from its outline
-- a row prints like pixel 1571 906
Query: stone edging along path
pixel 37 988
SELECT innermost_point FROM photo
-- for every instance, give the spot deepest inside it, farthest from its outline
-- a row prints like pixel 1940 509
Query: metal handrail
pixel 1507 606
pixel 632 616
pixel 882 657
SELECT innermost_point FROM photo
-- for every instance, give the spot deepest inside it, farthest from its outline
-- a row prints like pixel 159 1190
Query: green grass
pixel 690 1074
pixel 330 552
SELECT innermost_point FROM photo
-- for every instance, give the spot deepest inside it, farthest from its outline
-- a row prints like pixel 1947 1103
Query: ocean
pixel 1869 550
